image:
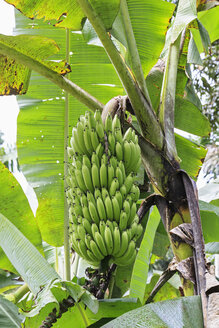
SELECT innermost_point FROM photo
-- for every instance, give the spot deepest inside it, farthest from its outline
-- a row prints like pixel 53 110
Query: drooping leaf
pixel 191 155
pixel 23 254
pixel 14 76
pixel 9 315
pixel 209 20
pixel 108 309
pixel 149 29
pixel 184 312
pixel 186 13
pixel 141 265
pixel 20 214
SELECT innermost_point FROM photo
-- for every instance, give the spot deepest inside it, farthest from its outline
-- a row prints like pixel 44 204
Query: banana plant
pixel 132 56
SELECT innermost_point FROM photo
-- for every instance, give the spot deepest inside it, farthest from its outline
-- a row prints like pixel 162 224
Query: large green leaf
pixel 209 19
pixel 9 315
pixel 15 206
pixel 55 293
pixel 149 28
pixel 210 221
pixel 14 76
pixel 141 266
pixel 27 260
pixel 42 118
pixel 66 13
pixel 184 312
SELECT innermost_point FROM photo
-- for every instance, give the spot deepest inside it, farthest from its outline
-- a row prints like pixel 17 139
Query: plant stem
pixel 167 98
pixel 133 50
pixel 66 217
pixel 147 119
pixel 18 294
pixel 111 283
pixel 57 260
pixel 61 81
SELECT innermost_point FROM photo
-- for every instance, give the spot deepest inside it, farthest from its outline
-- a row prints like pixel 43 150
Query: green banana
pixel 86 173
pixel 80 138
pixel 128 135
pixel 126 208
pixel 124 244
pixel 127 260
pixel 103 175
pixel 93 213
pixel 99 151
pixel 95 176
pixel 90 198
pixel 119 175
pixel 110 175
pixel 108 240
pixel 94 228
pixel 138 232
pixel 119 198
pixel 87 226
pixel 108 123
pixel 95 250
pixel 97 193
pixel 118 135
pixel 81 231
pixel 102 227
pixel 113 162
pixel 123 191
pixel 86 213
pixel 116 209
pixel 123 220
pixel 127 153
pixel 100 131
pixel 105 193
pixel 133 210
pixel 114 187
pixel 109 208
pixel 116 240
pixel 94 139
pixel 97 116
pixel 95 159
pixel 100 243
pixel 116 123
pixel 135 192
pixel 122 260
pixel 80 180
pixel 119 151
pixel 112 142
pixel 87 140
pixel 129 182
pixel 101 209
pixel 90 120
pixel 95 261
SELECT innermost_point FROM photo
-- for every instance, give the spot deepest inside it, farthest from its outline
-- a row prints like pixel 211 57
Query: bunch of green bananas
pixel 102 191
